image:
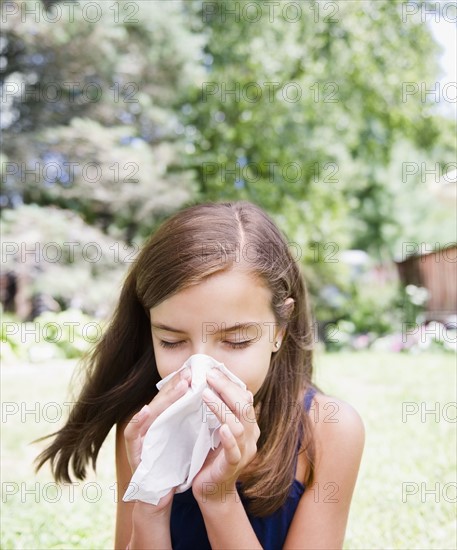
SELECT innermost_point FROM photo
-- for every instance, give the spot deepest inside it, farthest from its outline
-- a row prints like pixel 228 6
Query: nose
pixel 205 348
pixel 202 362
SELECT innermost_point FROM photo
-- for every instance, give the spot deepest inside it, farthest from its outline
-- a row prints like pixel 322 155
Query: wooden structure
pixel 437 272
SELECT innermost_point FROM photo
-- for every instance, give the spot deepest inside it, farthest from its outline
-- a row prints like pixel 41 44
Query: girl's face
pixel 228 317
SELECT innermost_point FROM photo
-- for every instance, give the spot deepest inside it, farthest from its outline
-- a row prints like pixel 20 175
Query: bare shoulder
pixel 336 418
pixel 337 428
pixel 321 517
pixel 339 435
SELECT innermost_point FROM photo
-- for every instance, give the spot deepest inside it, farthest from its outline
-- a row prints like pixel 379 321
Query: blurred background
pixel 338 118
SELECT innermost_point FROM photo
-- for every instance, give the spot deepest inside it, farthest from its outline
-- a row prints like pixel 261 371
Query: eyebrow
pixel 237 326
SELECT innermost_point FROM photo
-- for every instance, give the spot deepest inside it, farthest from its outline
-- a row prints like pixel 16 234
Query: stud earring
pixel 277 344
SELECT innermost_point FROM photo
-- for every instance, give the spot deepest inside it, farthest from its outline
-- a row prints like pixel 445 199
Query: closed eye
pixel 239 345
pixel 233 345
pixel 169 345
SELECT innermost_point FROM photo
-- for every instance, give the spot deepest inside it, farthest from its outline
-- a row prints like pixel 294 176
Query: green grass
pixel 398 450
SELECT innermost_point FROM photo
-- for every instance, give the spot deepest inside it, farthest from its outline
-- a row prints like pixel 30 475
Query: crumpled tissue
pixel 180 438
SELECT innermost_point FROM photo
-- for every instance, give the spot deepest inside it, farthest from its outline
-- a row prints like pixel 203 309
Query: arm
pixel 138 524
pixel 135 524
pixel 124 509
pixel 226 522
pixel 322 514
pixel 214 487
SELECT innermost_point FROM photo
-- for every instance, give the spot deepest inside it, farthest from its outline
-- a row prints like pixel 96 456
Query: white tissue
pixel 180 438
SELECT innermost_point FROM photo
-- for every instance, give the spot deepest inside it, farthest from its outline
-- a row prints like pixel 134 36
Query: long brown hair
pixel 194 243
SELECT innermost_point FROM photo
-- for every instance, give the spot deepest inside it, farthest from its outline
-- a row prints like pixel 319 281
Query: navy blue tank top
pixel 187 526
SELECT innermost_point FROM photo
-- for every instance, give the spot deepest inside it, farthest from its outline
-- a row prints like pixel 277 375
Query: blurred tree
pixel 303 108
pixel 53 252
pixel 88 108
pixel 297 108
pixel 300 107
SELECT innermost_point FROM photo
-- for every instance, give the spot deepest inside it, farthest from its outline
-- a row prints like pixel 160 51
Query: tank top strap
pixel 309 395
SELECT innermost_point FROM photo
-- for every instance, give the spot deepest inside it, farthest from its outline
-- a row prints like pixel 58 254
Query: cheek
pixel 250 366
pixel 167 362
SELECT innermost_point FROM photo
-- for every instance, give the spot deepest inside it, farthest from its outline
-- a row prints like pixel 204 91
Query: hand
pixel 239 434
pixel 139 424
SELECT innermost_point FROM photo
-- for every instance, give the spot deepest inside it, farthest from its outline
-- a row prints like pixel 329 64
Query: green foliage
pixel 187 101
pixel 376 385
pixel 374 310
pixel 341 133
pixel 109 147
pixel 367 312
pixel 57 254
pixel 64 335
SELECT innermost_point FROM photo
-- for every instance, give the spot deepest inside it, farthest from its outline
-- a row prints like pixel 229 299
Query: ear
pixel 288 308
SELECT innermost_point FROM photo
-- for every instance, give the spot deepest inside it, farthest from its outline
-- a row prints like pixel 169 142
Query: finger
pixel 184 374
pixel 138 424
pixel 173 390
pixel 230 392
pixel 223 413
pixel 228 458
pixel 239 401
pixel 133 435
pixel 232 451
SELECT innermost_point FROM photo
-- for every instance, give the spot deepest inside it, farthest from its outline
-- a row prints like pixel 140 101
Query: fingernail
pixel 226 430
pixel 214 373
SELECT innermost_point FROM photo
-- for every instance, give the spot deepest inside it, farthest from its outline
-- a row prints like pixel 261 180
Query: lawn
pixel 405 496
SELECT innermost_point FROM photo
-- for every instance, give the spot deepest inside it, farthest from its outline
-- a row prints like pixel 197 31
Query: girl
pixel 218 279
